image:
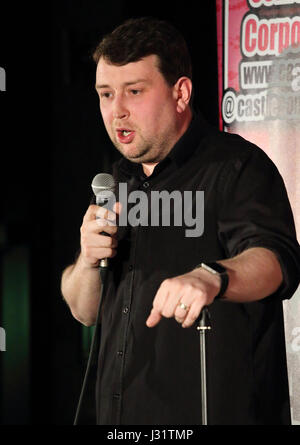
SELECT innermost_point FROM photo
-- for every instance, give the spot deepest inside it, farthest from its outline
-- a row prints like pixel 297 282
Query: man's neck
pixel 149 167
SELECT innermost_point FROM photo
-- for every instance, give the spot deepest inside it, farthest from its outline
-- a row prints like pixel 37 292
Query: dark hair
pixel 141 37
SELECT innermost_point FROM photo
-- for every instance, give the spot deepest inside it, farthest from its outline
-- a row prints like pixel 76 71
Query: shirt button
pixel 146 184
pixel 125 310
pixel 130 268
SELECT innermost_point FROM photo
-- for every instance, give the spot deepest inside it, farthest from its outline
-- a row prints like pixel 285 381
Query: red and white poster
pixel 259 98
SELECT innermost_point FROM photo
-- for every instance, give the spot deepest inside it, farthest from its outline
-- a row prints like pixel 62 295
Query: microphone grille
pixel 102 182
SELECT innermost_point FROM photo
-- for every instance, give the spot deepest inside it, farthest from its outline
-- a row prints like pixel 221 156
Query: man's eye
pixel 106 95
pixel 135 92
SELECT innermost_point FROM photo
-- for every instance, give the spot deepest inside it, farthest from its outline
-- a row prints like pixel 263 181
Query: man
pixel 149 370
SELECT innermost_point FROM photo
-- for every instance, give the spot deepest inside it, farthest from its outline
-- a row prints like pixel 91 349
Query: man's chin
pixel 133 155
pixel 141 159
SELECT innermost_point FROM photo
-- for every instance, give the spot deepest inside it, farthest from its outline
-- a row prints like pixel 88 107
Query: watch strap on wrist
pixel 217 269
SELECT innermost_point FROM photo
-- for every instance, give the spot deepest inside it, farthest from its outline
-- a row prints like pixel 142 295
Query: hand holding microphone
pixel 99 229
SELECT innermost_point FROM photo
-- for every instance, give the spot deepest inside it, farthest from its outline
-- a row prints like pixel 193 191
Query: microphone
pixel 103 186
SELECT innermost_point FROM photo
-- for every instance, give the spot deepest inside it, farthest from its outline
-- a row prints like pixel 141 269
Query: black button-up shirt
pixel 152 376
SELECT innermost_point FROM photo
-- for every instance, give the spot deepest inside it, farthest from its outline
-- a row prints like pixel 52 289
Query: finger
pixel 181 313
pixel 161 296
pixel 104 213
pixel 97 240
pixel 158 304
pixel 171 304
pixel 96 226
pixel 192 314
pixel 154 318
pixel 117 208
pixel 93 211
pixel 105 222
pixel 99 252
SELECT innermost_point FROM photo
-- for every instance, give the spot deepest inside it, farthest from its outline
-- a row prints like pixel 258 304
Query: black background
pixel 53 142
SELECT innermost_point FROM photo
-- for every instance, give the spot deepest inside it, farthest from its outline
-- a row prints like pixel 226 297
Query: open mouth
pixel 125 135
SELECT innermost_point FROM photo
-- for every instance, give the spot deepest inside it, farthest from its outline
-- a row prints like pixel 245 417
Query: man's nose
pixel 120 110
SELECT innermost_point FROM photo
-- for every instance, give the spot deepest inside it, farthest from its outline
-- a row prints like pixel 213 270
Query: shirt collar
pixel 189 141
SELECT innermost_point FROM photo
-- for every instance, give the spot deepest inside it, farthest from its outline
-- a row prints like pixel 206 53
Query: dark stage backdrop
pixel 53 142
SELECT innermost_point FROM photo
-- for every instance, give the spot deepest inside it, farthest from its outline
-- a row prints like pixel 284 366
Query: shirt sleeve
pixel 255 212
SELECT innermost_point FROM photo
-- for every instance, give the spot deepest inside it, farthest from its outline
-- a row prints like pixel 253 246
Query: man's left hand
pixel 183 297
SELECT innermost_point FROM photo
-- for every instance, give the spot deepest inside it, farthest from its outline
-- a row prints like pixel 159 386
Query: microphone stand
pixel 204 325
pixel 103 269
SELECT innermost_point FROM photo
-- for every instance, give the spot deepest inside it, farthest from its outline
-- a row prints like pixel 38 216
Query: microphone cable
pixel 103 273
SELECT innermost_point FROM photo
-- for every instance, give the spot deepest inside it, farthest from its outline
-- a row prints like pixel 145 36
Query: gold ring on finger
pixel 183 306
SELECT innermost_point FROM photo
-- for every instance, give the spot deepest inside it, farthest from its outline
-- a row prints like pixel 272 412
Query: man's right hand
pixel 94 244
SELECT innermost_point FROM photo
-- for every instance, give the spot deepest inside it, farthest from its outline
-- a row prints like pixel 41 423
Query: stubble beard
pixel 147 151
pixel 142 154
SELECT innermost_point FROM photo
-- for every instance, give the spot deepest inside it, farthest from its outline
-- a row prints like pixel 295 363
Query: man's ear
pixel 182 93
